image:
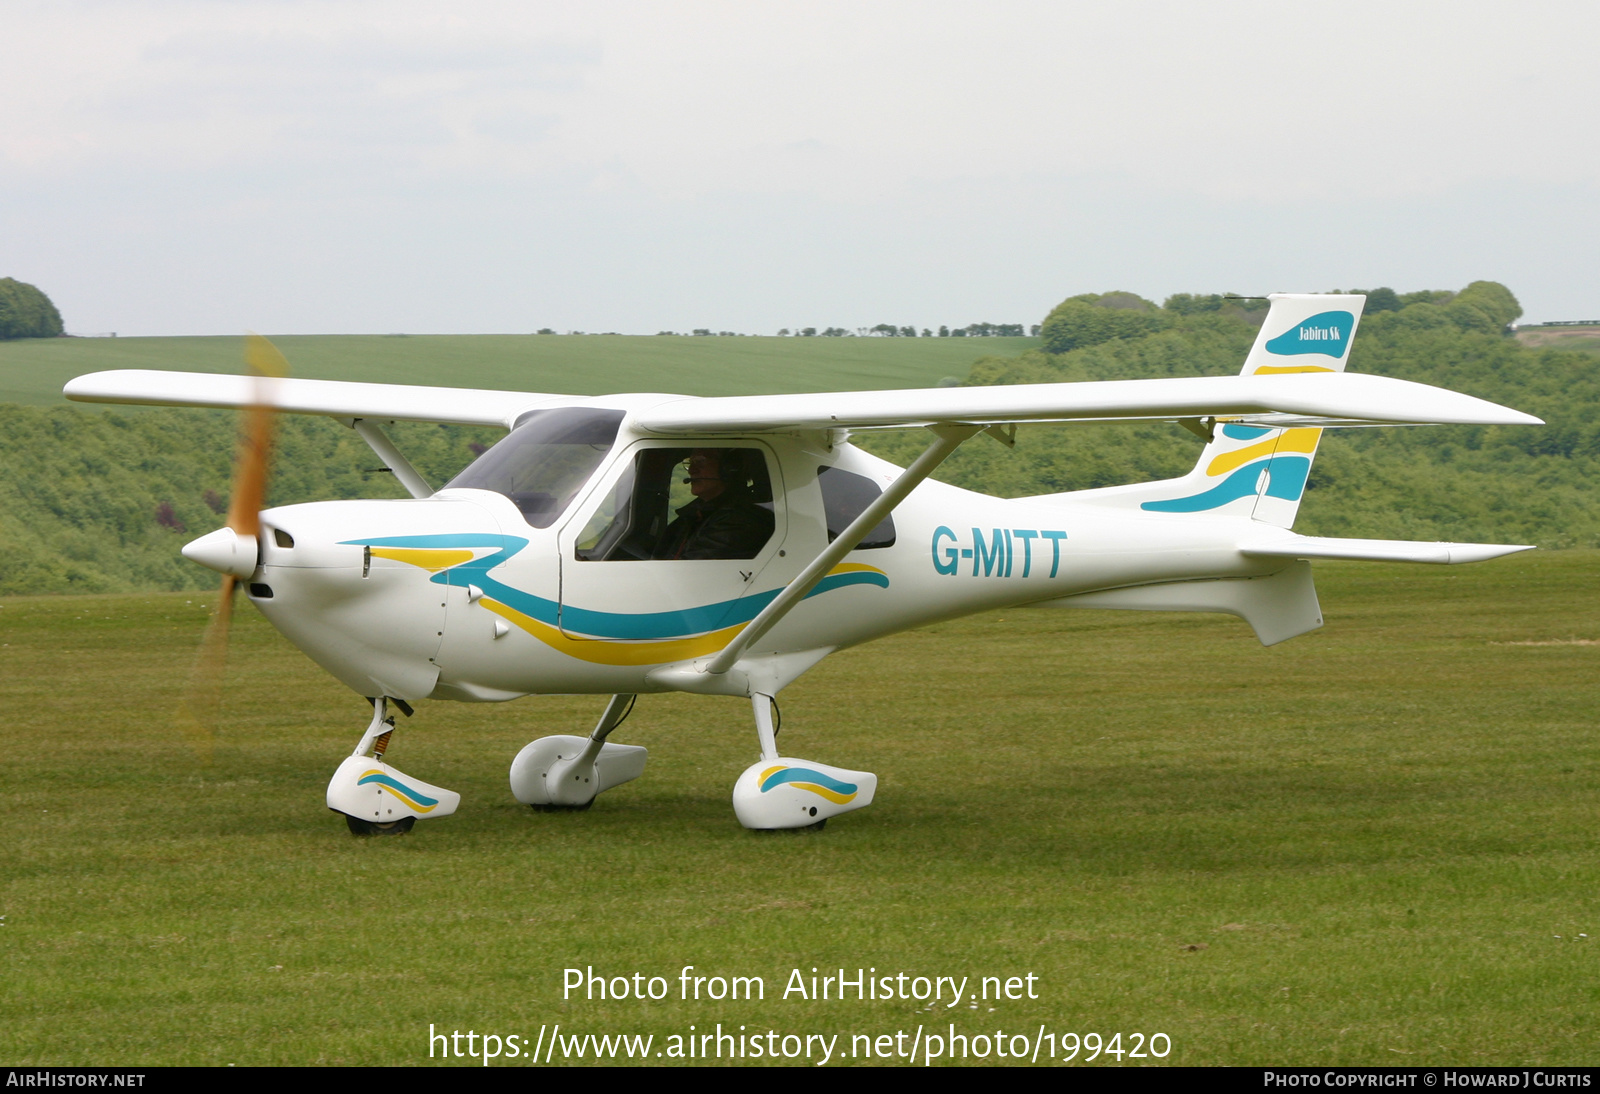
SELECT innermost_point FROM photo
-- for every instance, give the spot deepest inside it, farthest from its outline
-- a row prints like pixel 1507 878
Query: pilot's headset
pixel 732 468
pixel 735 464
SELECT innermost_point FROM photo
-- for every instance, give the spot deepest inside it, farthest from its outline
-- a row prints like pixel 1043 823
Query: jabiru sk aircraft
pixel 628 544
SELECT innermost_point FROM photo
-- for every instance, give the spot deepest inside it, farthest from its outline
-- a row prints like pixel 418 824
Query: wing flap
pixel 334 398
pixel 1282 400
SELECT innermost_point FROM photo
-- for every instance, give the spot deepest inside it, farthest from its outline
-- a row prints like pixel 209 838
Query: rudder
pixel 1261 473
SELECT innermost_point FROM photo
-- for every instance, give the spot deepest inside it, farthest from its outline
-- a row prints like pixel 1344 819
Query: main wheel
pixel 359 827
pixel 817 827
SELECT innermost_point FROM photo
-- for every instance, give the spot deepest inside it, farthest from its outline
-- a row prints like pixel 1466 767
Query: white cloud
pixel 330 146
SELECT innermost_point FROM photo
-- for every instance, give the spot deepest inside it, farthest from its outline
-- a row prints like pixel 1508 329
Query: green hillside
pixel 101 500
pixel 32 371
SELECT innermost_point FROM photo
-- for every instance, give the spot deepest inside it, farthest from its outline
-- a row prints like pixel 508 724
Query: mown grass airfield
pixel 1370 845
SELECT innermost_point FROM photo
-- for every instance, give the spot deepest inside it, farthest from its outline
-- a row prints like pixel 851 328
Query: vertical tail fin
pixel 1247 470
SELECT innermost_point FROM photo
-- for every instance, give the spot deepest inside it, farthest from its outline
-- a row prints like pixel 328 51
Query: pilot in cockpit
pixel 724 520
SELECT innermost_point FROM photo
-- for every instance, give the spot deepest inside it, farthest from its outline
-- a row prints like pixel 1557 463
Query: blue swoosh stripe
pixel 1287 480
pixel 396 784
pixel 806 775
pixel 641 626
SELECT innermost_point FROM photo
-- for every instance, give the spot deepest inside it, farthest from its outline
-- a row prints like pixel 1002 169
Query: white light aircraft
pixel 627 544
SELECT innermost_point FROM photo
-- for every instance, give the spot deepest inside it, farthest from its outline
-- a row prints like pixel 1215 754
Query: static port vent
pixel 282 539
pixel 260 591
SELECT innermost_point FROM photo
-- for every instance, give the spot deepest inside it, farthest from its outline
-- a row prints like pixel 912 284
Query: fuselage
pixel 486 594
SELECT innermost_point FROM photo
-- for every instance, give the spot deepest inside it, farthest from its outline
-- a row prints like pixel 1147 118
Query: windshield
pixel 543 463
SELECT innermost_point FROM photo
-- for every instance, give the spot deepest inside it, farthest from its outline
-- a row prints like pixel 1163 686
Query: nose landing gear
pixel 377 799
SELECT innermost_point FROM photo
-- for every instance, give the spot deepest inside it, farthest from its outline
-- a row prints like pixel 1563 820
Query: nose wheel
pixel 359 827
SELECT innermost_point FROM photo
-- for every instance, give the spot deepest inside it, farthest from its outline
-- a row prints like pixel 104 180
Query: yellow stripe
pixel 822 791
pixel 832 795
pixel 418 806
pixel 603 652
pixel 599 651
pixel 1269 370
pixel 853 568
pixel 430 559
pixel 1293 440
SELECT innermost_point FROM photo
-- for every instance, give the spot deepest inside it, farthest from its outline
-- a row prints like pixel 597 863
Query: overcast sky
pixel 211 167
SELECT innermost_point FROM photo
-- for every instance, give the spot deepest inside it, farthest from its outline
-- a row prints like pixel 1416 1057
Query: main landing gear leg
pixel 567 772
pixel 379 800
pixel 783 792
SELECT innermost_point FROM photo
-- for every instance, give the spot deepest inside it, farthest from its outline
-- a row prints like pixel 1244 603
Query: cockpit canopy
pixel 543 463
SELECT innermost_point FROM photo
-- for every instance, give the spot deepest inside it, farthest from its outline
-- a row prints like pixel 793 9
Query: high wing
pixel 334 398
pixel 1307 399
pixel 1301 399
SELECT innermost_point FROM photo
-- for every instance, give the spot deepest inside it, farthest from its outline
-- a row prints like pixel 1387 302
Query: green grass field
pixel 32 371
pixel 1372 845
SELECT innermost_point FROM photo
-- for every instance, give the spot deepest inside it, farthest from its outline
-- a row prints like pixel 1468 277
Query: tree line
pixel 25 312
pixel 1092 318
pixel 889 330
pixel 881 330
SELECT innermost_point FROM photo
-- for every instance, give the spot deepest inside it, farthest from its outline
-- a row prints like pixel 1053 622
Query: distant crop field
pixel 32 371
pixel 1371 845
pixel 1586 339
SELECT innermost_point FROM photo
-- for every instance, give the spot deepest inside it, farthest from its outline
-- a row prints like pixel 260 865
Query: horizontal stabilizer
pixel 1277 607
pixel 1378 550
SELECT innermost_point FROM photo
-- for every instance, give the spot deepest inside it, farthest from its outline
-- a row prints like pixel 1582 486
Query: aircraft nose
pixel 225 551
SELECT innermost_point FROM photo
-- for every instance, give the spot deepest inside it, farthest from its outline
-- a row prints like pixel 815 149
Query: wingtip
pixel 74 388
pixel 1510 416
pixel 92 387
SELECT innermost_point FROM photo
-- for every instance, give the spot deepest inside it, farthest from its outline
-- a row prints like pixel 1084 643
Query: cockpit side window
pixel 543 463
pixel 845 496
pixel 684 503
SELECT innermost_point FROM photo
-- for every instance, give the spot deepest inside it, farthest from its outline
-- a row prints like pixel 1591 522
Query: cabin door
pixel 671 556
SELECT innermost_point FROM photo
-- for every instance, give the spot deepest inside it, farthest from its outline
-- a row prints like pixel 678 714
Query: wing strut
pixel 947 438
pixel 379 442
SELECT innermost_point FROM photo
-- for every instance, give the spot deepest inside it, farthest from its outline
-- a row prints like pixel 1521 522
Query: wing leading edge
pixel 334 398
pixel 1299 399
